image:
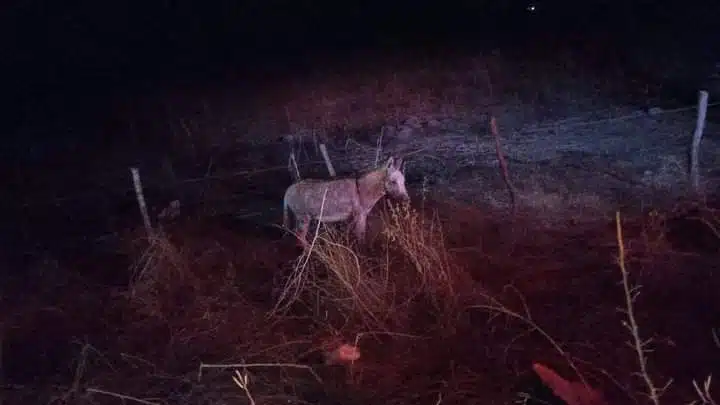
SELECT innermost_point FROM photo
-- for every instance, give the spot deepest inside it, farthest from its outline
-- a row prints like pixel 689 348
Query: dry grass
pixel 159 270
pixel 419 240
pixel 378 90
pixel 383 90
pixel 409 263
pixel 330 274
pixel 422 316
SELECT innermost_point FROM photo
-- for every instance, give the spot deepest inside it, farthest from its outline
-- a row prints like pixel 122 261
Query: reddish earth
pixel 72 327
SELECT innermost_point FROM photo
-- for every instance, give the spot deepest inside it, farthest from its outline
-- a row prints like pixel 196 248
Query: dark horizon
pixel 49 45
pixel 66 61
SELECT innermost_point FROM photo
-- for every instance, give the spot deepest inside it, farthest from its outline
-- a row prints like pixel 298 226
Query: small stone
pixel 405 132
pixel 413 122
pixel 389 130
pixel 655 110
pixel 434 123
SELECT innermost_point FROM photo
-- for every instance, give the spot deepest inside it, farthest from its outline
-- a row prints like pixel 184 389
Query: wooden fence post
pixel 326 157
pixel 141 200
pixel 697 136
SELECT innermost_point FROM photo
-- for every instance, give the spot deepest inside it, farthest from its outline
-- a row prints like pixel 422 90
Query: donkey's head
pixel 395 179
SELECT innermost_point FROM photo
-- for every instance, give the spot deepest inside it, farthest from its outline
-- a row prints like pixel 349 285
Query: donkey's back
pixel 326 200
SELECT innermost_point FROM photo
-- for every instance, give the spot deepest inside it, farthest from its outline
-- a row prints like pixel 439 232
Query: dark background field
pixel 595 103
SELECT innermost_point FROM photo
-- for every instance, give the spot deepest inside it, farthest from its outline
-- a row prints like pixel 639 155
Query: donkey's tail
pixel 286 218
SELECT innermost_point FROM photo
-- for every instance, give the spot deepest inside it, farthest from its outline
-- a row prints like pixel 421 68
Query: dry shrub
pixel 331 270
pixel 350 280
pixel 201 293
pixel 405 274
pixel 421 242
pixel 182 275
pixel 158 273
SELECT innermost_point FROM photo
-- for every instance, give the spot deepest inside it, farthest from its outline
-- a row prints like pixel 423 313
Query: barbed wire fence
pixel 561 124
pixel 368 154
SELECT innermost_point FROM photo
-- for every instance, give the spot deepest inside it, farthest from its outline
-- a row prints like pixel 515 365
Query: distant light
pixel 531 8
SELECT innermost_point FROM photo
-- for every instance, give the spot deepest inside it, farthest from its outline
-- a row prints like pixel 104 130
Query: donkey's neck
pixel 371 188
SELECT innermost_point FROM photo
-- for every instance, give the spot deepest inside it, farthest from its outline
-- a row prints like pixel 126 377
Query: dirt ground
pixel 92 327
pixel 94 313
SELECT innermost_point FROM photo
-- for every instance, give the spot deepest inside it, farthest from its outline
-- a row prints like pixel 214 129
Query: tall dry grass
pixel 419 240
pixel 160 270
pixel 409 271
pixel 407 265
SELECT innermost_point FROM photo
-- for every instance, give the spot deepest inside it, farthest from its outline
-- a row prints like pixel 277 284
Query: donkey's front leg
pixel 360 227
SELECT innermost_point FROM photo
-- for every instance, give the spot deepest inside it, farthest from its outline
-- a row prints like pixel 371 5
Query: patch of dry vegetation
pixel 407 265
pixel 378 90
pixel 446 304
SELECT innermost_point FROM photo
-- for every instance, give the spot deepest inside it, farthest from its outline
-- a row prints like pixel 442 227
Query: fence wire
pixel 560 124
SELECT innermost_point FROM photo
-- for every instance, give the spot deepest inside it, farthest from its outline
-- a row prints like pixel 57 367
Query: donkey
pixel 344 199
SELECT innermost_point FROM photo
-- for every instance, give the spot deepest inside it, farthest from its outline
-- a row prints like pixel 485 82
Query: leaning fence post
pixel 503 165
pixel 141 200
pixel 326 157
pixel 293 167
pixel 378 150
pixel 697 136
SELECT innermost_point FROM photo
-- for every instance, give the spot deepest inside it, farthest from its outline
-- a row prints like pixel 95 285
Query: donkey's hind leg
pixel 304 225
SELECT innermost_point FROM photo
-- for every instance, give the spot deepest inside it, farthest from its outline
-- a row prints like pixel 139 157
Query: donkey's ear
pixel 400 164
pixel 389 163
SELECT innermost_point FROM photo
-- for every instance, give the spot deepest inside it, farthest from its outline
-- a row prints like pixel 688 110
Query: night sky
pixel 60 55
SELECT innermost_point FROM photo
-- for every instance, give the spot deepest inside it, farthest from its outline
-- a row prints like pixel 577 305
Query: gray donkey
pixel 348 198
